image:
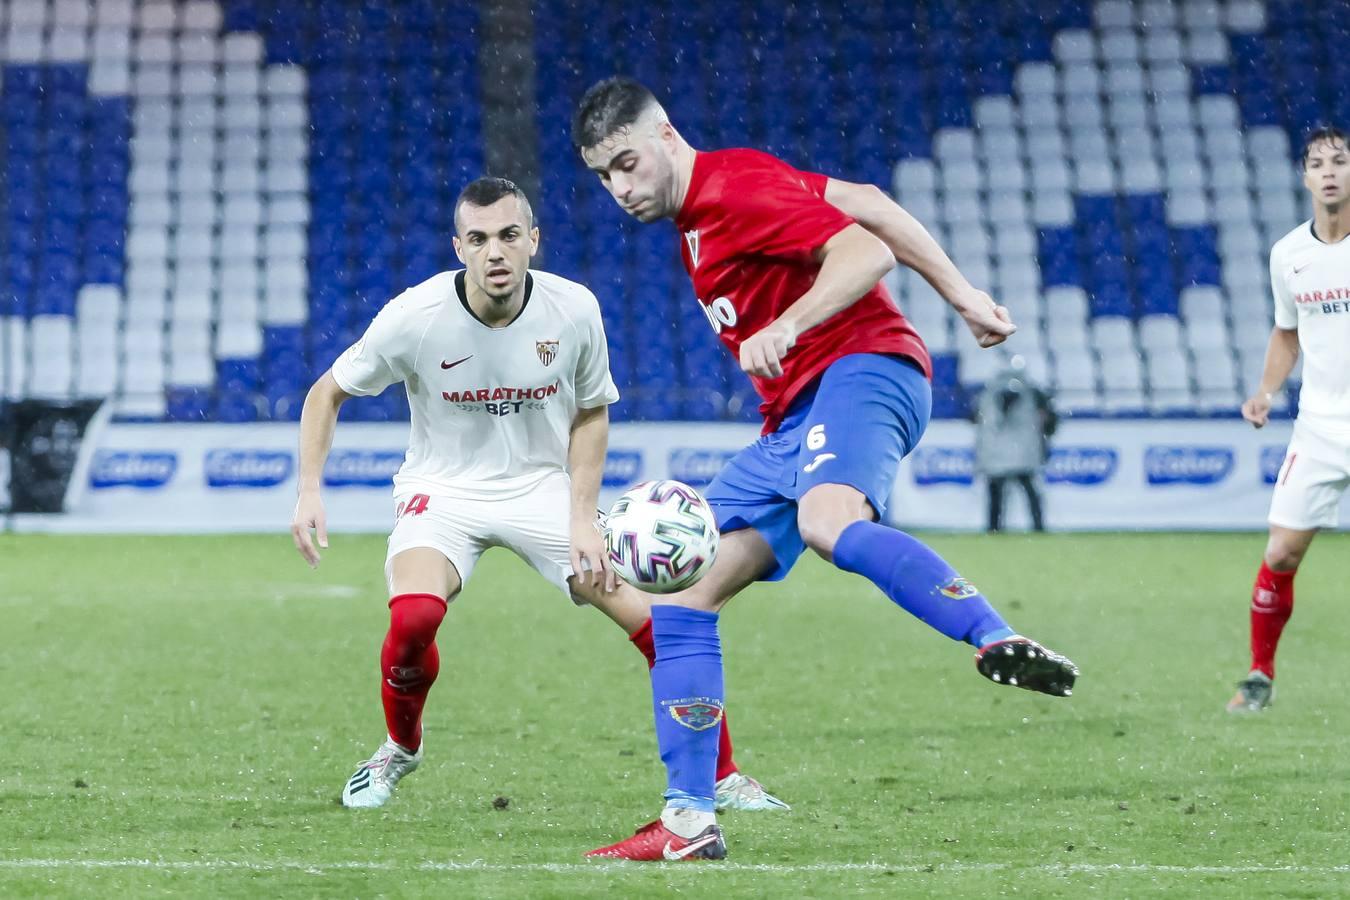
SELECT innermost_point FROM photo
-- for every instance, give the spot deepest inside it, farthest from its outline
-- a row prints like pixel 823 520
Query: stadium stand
pixel 205 202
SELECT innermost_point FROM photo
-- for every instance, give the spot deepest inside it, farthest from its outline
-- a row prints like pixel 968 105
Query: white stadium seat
pixel 1245 16
pixel 157 15
pixel 238 338
pixel 1169 80
pixel 1162 47
pixel 202 15
pixel 1201 14
pixel 1160 334
pixel 286 81
pixel 1035 79
pixel 1169 382
pixel 71 13
pixel 244 49
pixel 1206 47
pixel 1107 14
pixel 109 13
pixel 1119 45
pixel 1075 46
pixel 198 48
pixel 1156 15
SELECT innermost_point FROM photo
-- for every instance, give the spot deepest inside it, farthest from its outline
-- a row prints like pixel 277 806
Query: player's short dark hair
pixel 1329 133
pixel 608 106
pixel 488 190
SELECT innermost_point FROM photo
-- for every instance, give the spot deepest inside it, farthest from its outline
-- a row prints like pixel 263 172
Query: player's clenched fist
pixel 309 515
pixel 988 322
pixel 762 353
pixel 1256 409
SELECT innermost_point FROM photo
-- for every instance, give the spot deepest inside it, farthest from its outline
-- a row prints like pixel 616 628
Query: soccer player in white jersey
pixel 507 374
pixel 1310 278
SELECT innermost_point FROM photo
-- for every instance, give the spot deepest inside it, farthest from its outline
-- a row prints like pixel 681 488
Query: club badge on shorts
pixel 547 350
pixel 696 714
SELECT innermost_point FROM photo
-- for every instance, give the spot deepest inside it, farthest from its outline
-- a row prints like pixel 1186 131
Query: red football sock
pixel 642 639
pixel 409 664
pixel 1272 604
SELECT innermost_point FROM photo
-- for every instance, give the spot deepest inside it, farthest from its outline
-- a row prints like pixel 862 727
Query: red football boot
pixel 654 841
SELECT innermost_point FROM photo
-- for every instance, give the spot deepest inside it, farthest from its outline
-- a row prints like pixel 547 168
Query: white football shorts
pixel 1311 481
pixel 535 526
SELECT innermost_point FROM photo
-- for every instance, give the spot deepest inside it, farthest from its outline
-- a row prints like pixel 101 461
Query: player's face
pixel 495 244
pixel 637 166
pixel 1326 174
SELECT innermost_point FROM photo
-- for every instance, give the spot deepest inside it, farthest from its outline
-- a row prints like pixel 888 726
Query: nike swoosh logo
pixel 1298 269
pixel 681 853
pixel 446 365
pixel 818 461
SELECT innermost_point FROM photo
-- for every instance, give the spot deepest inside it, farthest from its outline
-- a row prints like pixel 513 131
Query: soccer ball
pixel 661 536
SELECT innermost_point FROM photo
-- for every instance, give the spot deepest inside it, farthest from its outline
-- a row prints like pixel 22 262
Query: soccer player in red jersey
pixel 1310 281
pixel 787 265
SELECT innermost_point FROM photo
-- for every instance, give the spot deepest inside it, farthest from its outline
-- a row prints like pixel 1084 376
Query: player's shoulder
pixel 571 297
pixel 1299 237
pixel 423 299
pixel 743 178
pixel 737 165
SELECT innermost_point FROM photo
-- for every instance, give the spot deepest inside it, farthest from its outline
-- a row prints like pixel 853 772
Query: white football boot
pixel 373 783
pixel 745 794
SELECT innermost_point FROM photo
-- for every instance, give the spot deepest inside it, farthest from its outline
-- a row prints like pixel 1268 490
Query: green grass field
pixel 179 716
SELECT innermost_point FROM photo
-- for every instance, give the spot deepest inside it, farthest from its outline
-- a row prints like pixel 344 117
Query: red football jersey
pixel 750 227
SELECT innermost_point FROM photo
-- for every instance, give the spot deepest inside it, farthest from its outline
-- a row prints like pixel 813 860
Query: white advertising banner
pixel 1101 475
pixel 172 478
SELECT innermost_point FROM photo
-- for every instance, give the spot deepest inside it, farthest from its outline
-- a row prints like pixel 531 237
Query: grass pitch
pixel 180 713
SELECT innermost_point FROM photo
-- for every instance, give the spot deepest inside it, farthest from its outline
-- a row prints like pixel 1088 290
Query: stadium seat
pixel 257 175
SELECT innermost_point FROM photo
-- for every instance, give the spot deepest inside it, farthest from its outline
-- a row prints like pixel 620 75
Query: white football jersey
pixel 492 408
pixel 1311 283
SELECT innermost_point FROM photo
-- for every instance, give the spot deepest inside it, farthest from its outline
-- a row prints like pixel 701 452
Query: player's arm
pixel 318 421
pixel 1281 355
pixel 586 466
pixel 851 263
pixel 913 246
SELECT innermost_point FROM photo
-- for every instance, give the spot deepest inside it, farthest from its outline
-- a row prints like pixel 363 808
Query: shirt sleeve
pixel 377 359
pixel 1286 311
pixel 781 212
pixel 594 385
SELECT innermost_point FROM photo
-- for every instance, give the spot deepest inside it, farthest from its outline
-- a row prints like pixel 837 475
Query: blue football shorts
pixel 863 415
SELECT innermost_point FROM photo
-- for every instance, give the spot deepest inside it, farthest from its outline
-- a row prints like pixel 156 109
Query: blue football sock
pixel 919 581
pixel 687 698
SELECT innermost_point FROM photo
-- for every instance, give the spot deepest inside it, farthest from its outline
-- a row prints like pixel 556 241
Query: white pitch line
pixel 216 865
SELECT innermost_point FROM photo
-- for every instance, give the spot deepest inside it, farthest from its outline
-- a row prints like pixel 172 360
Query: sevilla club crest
pixel 547 350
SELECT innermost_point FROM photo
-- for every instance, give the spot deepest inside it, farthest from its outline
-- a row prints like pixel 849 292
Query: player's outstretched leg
pixel 409 664
pixel 687 700
pixel 734 790
pixel 923 584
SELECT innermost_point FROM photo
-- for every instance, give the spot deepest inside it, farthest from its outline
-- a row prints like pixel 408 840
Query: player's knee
pixel 414 620
pixel 1283 557
pixel 824 513
pixel 819 532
